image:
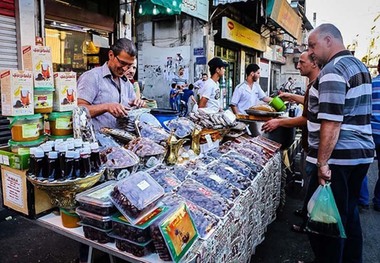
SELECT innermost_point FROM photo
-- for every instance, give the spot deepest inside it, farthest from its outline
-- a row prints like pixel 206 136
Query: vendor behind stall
pixel 248 93
pixel 105 91
pixel 210 97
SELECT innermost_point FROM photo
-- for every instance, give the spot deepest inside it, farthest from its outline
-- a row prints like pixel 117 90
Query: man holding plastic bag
pixel 340 145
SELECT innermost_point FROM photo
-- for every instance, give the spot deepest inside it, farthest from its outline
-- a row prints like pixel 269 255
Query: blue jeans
pixel 346 182
pixel 364 193
pixel 376 198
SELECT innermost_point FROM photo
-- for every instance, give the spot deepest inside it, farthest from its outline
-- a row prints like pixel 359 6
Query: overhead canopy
pixel 159 7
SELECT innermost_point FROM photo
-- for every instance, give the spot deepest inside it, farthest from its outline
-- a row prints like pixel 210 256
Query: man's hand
pixel 137 103
pixel 324 174
pixel 270 125
pixel 286 96
pixel 117 110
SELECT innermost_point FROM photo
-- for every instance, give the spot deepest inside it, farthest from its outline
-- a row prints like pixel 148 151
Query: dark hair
pixel 126 45
pixel 213 70
pixel 174 85
pixel 251 68
pixel 204 74
pixel 378 64
pixel 191 86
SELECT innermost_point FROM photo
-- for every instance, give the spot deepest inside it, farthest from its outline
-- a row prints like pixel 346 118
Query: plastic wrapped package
pixel 98 221
pixel 174 233
pixel 156 134
pixel 204 221
pixel 165 177
pixel 237 156
pixel 139 232
pixel 204 197
pixel 97 234
pixel 231 175
pixel 149 152
pixel 182 127
pixel 136 249
pixel 136 195
pixel 216 183
pixel 96 200
pixel 180 171
pixel 119 134
pixel 239 166
pixel 119 162
pixel 82 124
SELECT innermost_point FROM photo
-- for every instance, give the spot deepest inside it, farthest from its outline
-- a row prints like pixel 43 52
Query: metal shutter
pixel 8 43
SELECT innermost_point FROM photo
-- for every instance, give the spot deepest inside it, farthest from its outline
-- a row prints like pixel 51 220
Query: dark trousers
pixel 346 182
pixel 376 198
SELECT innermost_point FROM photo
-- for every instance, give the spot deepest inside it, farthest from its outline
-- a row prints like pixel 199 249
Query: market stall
pixel 156 188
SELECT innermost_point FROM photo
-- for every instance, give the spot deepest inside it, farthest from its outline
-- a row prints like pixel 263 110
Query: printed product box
pixel 21 196
pixel 65 95
pixel 38 59
pixel 16 92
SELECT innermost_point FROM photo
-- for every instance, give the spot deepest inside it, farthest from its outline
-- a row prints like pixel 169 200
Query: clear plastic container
pixel 23 147
pixel 25 128
pixel 165 177
pixel 136 249
pixel 99 235
pixel 96 200
pixel 43 100
pixel 119 162
pixel 61 123
pixel 140 231
pixel 136 195
pixel 101 222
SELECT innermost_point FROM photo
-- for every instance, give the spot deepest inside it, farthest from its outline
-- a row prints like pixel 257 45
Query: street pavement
pixel 23 241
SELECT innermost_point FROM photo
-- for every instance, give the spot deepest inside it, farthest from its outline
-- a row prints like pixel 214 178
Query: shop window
pixel 75 50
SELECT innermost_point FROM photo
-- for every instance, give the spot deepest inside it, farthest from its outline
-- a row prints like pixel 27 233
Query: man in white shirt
pixel 200 83
pixel 248 93
pixel 211 92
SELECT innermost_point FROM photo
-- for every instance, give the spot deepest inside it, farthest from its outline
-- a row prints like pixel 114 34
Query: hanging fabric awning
pixel 159 7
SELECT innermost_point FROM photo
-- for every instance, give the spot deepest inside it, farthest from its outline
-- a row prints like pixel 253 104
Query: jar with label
pixel 43 100
pixel 25 128
pixel 61 123
pixel 24 147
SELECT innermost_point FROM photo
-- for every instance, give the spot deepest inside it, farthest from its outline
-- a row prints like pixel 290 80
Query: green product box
pixel 14 160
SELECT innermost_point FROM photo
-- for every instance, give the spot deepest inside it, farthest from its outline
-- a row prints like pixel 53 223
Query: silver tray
pixel 263 113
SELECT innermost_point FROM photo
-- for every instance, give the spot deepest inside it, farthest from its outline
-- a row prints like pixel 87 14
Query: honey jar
pixel 25 128
pixel 61 123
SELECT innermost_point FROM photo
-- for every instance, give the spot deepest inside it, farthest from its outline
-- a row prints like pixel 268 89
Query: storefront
pixel 79 36
pixel 8 35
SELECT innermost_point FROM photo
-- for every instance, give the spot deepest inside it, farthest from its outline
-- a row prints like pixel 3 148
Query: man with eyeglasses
pixel 105 90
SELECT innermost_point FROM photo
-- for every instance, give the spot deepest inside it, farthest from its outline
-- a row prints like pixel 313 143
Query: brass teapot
pixel 195 138
pixel 174 145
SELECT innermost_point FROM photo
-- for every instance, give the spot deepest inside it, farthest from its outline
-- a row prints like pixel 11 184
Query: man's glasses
pixel 123 63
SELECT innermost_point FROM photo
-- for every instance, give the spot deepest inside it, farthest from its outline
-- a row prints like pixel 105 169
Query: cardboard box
pixel 16 92
pixel 38 59
pixel 65 95
pixel 14 160
pixel 20 195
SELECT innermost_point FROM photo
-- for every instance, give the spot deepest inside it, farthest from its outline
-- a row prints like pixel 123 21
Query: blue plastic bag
pixel 324 217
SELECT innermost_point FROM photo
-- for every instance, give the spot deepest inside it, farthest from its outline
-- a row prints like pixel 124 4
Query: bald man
pixel 340 138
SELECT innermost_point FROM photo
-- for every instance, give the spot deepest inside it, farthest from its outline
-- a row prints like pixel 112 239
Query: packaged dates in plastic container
pixel 180 171
pixel 99 235
pixel 238 166
pixel 181 127
pixel 136 249
pixel 98 221
pixel 237 156
pixel 136 195
pixel 204 197
pixel 216 183
pixel 156 134
pixel 231 175
pixel 164 177
pixel 205 222
pixel 149 152
pixel 139 232
pixel 96 200
pixel 119 162
pixel 174 233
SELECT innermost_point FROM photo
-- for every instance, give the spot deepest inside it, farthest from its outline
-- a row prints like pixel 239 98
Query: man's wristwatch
pixel 319 165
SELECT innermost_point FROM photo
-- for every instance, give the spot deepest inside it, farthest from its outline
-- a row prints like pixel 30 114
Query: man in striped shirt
pixel 340 138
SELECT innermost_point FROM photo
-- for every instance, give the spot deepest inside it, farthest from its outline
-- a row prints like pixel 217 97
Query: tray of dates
pixel 239 166
pixel 149 152
pixel 96 234
pixel 136 195
pixel 204 221
pixel 119 162
pixel 165 177
pixel 96 200
pixel 134 248
pixel 216 183
pixel 98 221
pixel 180 171
pixel 235 155
pixel 230 174
pixel 205 197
